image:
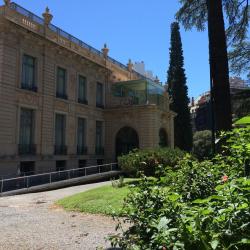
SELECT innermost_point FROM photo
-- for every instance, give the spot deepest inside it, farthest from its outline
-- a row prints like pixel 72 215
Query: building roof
pixel 63 35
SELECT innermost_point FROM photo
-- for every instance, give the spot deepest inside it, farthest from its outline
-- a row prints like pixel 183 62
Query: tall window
pixel 60 126
pixel 163 142
pixel 99 138
pixel 82 90
pixel 29 73
pixel 26 132
pixel 99 95
pixel 81 136
pixel 61 81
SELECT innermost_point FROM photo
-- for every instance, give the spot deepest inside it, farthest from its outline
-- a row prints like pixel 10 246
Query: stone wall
pixel 16 40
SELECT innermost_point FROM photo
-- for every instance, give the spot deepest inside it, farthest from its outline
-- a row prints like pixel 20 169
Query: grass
pixel 244 120
pixel 105 200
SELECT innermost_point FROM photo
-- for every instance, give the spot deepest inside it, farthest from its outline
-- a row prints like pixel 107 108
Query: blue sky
pixel 136 29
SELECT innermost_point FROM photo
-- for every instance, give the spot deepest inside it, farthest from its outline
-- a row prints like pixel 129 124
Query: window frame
pixel 101 103
pixel 65 89
pixel 27 148
pixel 81 149
pixel 99 149
pixel 62 148
pixel 83 100
pixel 23 85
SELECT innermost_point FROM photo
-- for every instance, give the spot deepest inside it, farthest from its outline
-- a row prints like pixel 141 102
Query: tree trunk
pixel 220 92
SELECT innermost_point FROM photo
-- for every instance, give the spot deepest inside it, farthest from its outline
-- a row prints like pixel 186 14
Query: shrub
pixel 160 219
pixel 202 144
pixel 147 161
pixel 192 179
pixel 195 205
pixel 118 183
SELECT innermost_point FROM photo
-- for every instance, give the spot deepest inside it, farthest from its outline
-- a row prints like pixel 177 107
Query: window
pixel 26 132
pixel 29 73
pixel 61 83
pixel 99 138
pixel 82 90
pixel 163 138
pixel 81 136
pixel 60 165
pixel 99 95
pixel 60 125
pixel 27 168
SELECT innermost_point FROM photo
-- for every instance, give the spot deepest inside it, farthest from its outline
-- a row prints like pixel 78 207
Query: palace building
pixel 65 104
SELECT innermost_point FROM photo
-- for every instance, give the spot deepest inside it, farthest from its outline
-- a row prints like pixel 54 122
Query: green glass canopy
pixel 140 92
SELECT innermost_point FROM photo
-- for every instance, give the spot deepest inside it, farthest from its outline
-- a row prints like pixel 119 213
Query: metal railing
pixel 31 16
pixel 52 177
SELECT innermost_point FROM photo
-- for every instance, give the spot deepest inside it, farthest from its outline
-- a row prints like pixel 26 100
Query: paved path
pixel 31 221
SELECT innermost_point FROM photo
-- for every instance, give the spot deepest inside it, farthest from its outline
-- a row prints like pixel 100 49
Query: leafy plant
pixel 202 144
pixel 194 205
pixel 118 183
pixel 147 161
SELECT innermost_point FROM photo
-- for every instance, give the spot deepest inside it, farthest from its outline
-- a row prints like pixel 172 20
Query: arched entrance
pixel 163 139
pixel 126 140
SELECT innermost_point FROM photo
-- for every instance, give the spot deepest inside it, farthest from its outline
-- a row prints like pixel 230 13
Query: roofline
pixel 40 21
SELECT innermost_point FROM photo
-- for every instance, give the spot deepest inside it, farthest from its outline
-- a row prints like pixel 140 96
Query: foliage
pixel 239 58
pixel 147 161
pixel 243 120
pixel 199 13
pixel 192 179
pixel 178 91
pixel 236 151
pixel 118 183
pixel 195 205
pixel 161 220
pixel 194 13
pixel 241 103
pixel 202 144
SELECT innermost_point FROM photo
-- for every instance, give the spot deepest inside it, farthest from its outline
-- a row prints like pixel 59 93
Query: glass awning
pixel 139 92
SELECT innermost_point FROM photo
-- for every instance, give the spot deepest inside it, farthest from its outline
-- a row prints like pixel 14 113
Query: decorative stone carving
pixel 105 50
pixel 157 79
pixel 62 106
pixel 7 2
pixel 29 99
pixel 47 17
pixel 130 65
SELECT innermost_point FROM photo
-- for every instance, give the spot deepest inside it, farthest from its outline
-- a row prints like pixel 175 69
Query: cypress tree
pixel 178 91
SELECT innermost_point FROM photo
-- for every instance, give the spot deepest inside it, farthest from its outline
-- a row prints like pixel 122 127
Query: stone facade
pixel 22 34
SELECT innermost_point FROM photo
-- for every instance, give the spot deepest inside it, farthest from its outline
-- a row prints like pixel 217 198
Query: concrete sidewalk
pixel 31 221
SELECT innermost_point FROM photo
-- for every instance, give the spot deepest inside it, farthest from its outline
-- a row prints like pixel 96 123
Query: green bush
pixel 202 144
pixel 159 219
pixel 195 205
pixel 147 161
pixel 191 178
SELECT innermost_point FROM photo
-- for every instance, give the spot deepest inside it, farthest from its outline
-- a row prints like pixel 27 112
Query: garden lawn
pixel 102 200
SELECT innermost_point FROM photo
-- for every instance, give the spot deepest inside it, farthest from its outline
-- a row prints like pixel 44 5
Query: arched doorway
pixel 163 139
pixel 126 140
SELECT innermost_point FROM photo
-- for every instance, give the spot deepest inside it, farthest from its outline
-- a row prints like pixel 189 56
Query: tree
pixel 194 13
pixel 202 142
pixel 198 13
pixel 240 58
pixel 178 91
